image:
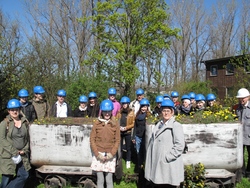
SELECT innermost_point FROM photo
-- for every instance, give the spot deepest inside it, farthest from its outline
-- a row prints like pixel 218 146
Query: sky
pixel 14 8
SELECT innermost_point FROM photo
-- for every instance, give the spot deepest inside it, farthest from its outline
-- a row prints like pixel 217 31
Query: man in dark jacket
pixel 60 107
pixel 27 109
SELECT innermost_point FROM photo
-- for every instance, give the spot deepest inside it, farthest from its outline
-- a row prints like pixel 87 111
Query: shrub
pixel 194 176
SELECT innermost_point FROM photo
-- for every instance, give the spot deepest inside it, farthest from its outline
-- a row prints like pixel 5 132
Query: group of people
pixel 119 126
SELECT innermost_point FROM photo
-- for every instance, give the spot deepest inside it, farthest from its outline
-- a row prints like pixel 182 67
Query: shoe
pixel 128 164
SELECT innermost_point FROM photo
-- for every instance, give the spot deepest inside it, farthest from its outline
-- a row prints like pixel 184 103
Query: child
pixel 104 142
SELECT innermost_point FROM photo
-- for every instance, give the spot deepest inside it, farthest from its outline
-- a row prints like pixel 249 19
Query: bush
pixel 194 176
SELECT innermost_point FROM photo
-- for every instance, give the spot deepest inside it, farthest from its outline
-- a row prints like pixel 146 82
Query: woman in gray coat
pixel 164 164
pixel 14 147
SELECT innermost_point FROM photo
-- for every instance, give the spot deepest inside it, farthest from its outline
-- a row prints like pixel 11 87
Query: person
pixel 81 110
pixel 166 96
pixel 40 103
pixel 127 118
pixel 243 113
pixel 186 107
pixel 138 137
pixel 211 99
pixel 14 147
pixel 135 104
pixel 27 109
pixel 157 109
pixel 104 142
pixel 93 106
pixel 164 163
pixel 200 102
pixel 175 96
pixel 192 98
pixel 116 104
pixel 61 108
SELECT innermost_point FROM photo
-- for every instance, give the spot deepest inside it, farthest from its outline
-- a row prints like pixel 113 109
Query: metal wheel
pixel 85 182
pixel 54 182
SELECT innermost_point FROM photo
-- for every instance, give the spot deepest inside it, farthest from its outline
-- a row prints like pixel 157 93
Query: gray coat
pixel 244 117
pixel 164 163
pixel 7 150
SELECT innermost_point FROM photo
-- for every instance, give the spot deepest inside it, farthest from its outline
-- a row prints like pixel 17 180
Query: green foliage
pixel 126 32
pixel 194 176
pixel 193 86
pixel 83 85
pixel 242 67
pixel 244 183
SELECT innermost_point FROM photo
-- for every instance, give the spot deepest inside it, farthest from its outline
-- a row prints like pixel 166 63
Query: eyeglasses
pixel 61 96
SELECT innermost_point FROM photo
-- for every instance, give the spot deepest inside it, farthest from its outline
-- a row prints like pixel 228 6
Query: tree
pixel 129 32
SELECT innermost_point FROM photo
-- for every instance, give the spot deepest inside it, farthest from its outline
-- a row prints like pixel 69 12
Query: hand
pixel 122 129
pixel 109 156
pixel 133 141
pixel 101 157
pixel 21 152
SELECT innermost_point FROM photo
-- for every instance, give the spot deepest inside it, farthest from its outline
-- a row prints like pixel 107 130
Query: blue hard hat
pixel 144 102
pixel 92 95
pixel 200 97
pixel 13 103
pixel 185 97
pixel 168 103
pixel 38 89
pixel 125 99
pixel 23 93
pixel 174 94
pixel 61 92
pixel 159 98
pixel 166 96
pixel 139 91
pixel 112 91
pixel 83 98
pixel 192 95
pixel 210 97
pixel 106 105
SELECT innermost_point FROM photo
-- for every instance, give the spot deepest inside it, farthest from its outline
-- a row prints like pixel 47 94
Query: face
pixel 14 112
pixel 243 101
pixel 92 100
pixel 60 99
pixel 23 99
pixel 125 105
pixel 140 97
pixel 144 109
pixel 159 104
pixel 83 104
pixel 106 114
pixel 211 103
pixel 111 97
pixel 167 113
pixel 200 104
pixel 39 96
pixel 185 103
pixel 175 99
pixel 192 101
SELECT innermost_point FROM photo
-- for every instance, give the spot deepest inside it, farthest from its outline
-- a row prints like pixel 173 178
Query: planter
pixel 217 146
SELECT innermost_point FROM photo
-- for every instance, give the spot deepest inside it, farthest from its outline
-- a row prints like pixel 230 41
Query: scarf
pixel 103 120
pixel 186 109
pixel 82 109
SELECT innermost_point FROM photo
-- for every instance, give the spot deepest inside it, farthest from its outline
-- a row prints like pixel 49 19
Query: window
pixel 229 69
pixel 213 70
pixel 230 92
pixel 247 67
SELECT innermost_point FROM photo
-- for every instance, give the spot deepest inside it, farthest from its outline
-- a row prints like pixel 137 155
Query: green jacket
pixel 7 150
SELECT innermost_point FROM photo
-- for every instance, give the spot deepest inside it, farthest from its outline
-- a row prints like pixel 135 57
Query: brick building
pixel 221 74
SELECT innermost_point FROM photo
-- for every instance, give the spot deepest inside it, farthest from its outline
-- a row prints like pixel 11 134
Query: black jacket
pixel 29 112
